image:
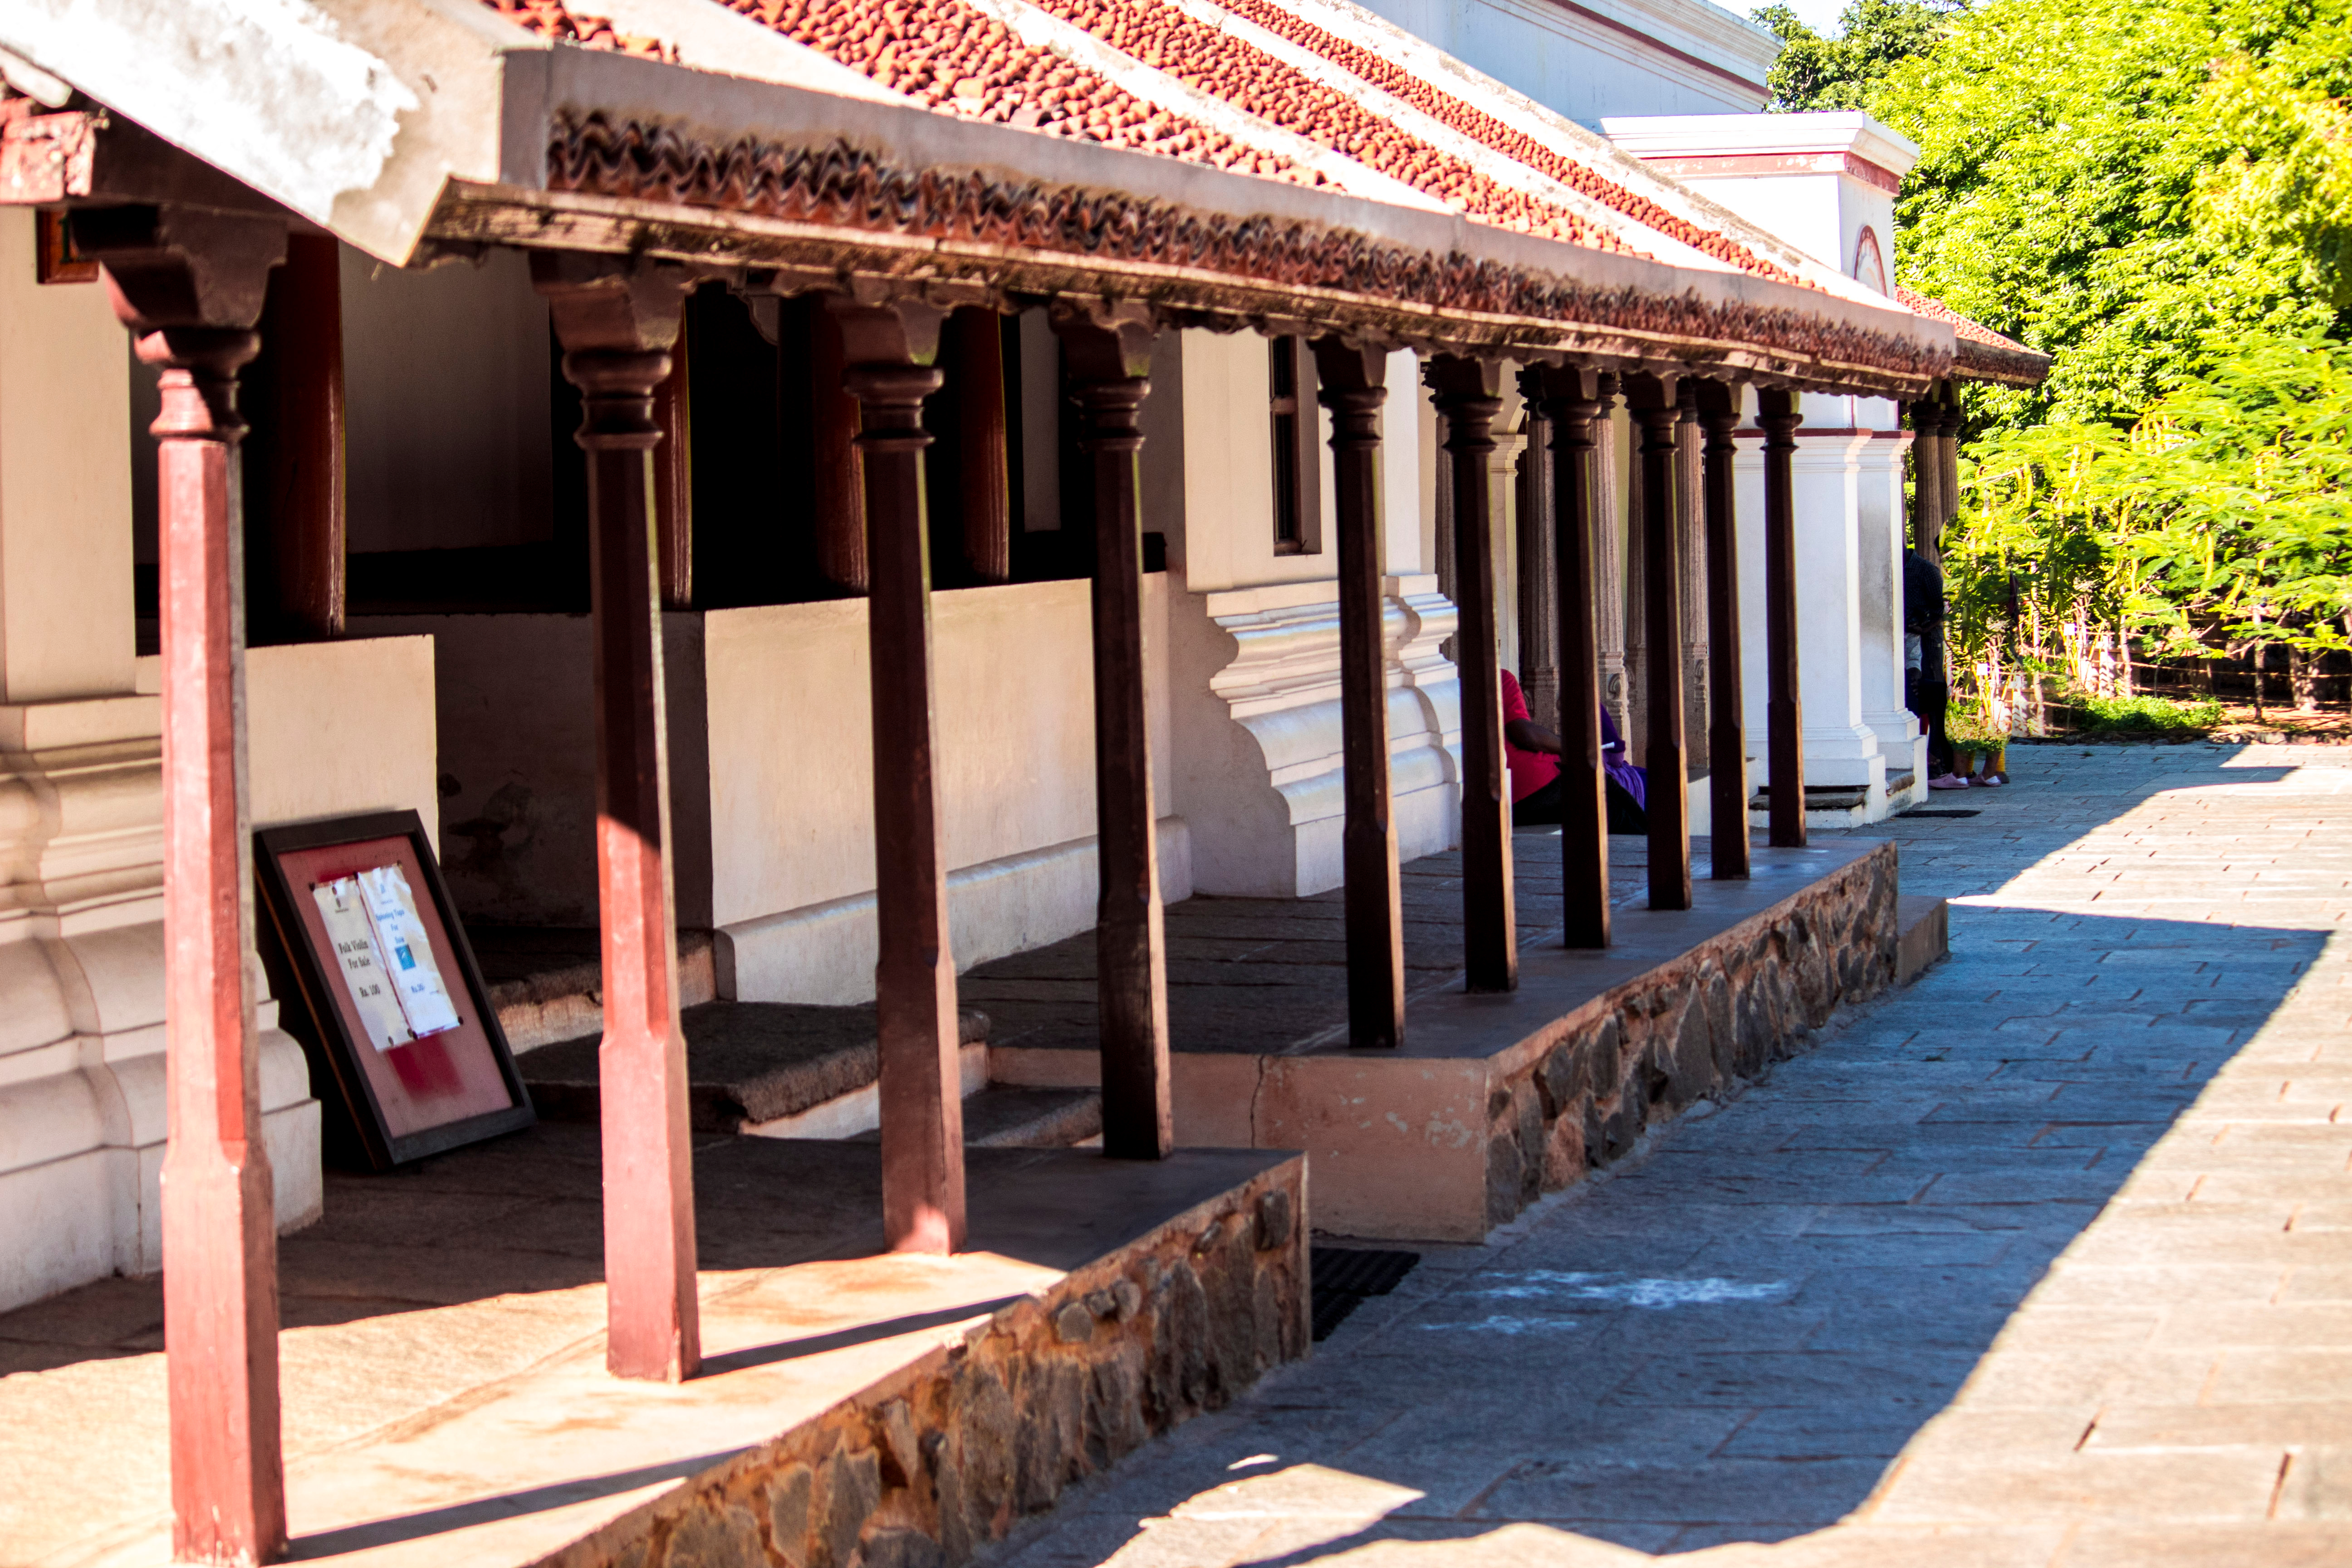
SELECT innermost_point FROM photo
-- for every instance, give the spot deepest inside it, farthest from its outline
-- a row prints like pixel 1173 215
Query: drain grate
pixel 1924 811
pixel 1345 1276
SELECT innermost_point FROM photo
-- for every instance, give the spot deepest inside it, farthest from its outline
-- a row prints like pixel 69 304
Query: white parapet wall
pixel 333 729
pixel 790 782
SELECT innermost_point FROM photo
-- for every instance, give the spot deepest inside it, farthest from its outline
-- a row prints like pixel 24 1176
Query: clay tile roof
pixel 1983 353
pixel 1507 140
pixel 1216 62
pixel 560 23
pixel 951 57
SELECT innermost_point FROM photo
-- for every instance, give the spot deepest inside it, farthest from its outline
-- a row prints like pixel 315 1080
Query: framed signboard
pixel 374 974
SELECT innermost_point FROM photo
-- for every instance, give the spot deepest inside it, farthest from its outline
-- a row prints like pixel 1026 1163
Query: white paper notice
pixel 407 952
pixel 353 934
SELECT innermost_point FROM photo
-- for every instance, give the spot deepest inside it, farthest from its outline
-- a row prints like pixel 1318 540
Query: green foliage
pixel 2141 715
pixel 1970 729
pixel 2127 186
pixel 1874 36
pixel 2223 518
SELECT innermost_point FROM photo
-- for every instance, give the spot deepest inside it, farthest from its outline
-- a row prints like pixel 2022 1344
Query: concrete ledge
pixel 1497 1098
pixel 1925 925
pixel 448 1403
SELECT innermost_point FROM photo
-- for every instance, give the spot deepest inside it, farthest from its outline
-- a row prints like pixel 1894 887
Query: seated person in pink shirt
pixel 1533 754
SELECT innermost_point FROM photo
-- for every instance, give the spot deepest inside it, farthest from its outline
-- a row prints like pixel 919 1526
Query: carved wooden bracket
pixel 1099 345
pixel 611 304
pixel 183 267
pixel 895 332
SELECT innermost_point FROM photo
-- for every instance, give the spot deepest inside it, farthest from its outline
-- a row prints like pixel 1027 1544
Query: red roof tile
pixel 1246 77
pixel 948 55
pixel 557 22
pixel 1983 354
pixel 1506 138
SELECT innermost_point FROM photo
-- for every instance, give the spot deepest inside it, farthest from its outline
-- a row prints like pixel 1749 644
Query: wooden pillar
pixel 190 287
pixel 889 350
pixel 1572 407
pixel 615 323
pixel 1664 759
pixel 1636 730
pixel 1690 545
pixel 295 503
pixel 1608 588
pixel 1783 705
pixel 1719 415
pixel 984 479
pixel 1105 367
pixel 1465 390
pixel 1537 576
pixel 673 481
pixel 1927 489
pixel 1947 465
pixel 1353 386
pixel 837 474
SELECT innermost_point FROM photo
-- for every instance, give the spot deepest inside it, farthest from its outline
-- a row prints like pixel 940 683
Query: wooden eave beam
pixel 787 256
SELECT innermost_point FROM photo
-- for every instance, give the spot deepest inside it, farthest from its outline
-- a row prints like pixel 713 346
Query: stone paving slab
pixel 2046 1261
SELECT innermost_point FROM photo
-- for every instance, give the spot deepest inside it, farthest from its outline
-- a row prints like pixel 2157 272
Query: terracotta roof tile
pixel 1217 63
pixel 559 23
pixel 1507 140
pixel 1983 354
pixel 951 57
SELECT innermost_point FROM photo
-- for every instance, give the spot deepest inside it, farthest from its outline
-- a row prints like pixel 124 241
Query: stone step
pixel 1924 937
pixel 773 1068
pixel 547 984
pixel 1006 1116
pixel 1003 1116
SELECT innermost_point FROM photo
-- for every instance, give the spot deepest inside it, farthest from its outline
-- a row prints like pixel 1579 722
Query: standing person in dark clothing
pixel 1926 689
pixel 1533 752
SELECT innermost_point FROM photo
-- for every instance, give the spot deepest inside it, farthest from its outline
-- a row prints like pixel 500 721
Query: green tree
pixel 1874 35
pixel 2131 185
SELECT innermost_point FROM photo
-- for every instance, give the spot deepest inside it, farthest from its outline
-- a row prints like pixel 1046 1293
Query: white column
pixel 1842 748
pixel 1880 524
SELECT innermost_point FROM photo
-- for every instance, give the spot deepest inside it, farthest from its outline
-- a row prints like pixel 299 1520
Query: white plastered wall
pixel 81 949
pixel 790 793
pixel 1254 642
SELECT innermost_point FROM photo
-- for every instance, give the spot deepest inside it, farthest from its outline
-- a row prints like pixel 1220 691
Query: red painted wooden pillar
pixel 1352 383
pixel 1665 760
pixel 1784 714
pixel 889 351
pixel 1465 390
pixel 616 325
pixel 1105 367
pixel 1718 416
pixel 983 463
pixel 190 287
pixel 1572 403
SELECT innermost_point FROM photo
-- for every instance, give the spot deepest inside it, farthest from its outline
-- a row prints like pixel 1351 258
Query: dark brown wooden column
pixel 1948 464
pixel 617 323
pixel 1105 365
pixel 1465 395
pixel 1665 758
pixel 1924 489
pixel 190 286
pixel 295 566
pixel 673 481
pixel 837 474
pixel 889 350
pixel 1571 403
pixel 1783 705
pixel 1353 384
pixel 1718 416
pixel 985 487
pixel 1690 545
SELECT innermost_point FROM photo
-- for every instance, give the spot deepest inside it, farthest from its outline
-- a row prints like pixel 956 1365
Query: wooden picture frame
pixel 426 1085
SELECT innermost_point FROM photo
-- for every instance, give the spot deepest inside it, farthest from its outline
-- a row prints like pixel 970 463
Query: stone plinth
pixel 446 1402
pixel 1497 1098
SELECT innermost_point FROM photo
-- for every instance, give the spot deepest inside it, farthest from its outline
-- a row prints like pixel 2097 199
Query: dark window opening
pixel 1298 470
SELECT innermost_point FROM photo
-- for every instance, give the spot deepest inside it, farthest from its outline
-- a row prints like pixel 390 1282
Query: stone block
pixel 1274 1219
pixel 1074 1324
pixel 789 1495
pixel 849 1490
pixel 1564 1156
pixel 720 1536
pixel 897 1547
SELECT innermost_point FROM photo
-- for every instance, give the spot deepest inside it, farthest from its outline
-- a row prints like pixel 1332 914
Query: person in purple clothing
pixel 1533 754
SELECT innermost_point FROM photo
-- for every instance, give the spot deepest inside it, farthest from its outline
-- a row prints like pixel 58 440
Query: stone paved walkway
pixel 2046 1261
